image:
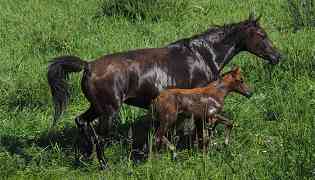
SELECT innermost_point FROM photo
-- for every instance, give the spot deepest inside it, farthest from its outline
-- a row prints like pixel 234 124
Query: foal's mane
pixel 226 73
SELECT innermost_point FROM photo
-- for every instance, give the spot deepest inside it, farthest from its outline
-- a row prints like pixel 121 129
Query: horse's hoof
pixel 103 165
pixel 85 157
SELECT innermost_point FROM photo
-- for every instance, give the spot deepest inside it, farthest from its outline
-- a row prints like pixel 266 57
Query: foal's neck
pixel 222 88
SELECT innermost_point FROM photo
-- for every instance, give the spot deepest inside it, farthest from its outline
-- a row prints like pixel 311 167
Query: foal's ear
pixel 251 16
pixel 236 71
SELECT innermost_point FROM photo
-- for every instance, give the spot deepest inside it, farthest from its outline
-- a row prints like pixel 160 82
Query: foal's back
pixel 193 101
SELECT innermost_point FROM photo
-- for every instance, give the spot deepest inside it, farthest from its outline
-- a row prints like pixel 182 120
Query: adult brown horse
pixel 136 77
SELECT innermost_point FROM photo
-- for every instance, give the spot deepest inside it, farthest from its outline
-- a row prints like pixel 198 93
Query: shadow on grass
pixel 134 135
pixel 65 138
pixel 15 146
pixel 18 146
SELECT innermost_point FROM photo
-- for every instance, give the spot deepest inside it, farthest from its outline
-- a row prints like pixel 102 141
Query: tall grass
pixel 273 137
pixel 143 10
pixel 302 13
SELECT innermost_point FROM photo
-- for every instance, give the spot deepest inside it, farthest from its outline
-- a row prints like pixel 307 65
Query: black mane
pixel 226 29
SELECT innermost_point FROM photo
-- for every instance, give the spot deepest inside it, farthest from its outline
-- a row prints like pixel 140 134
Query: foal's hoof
pixel 226 142
pixel 174 156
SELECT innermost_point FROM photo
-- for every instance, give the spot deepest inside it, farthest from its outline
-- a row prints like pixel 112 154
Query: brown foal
pixel 203 103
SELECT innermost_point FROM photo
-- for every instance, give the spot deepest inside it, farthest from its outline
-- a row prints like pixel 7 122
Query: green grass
pixel 273 138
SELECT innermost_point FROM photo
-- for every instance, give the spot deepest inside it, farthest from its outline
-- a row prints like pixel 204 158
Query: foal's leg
pixel 212 121
pixel 167 121
pixel 228 126
pixel 162 139
pixel 202 134
pixel 160 134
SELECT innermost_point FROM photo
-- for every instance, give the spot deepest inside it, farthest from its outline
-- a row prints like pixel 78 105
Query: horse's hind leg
pixel 89 136
pixel 99 149
pixel 82 123
pixel 107 105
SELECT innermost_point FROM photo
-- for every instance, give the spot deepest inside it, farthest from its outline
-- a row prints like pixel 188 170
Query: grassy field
pixel 274 135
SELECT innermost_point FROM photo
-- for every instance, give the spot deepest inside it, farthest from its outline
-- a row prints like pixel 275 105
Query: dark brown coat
pixel 136 77
pixel 203 103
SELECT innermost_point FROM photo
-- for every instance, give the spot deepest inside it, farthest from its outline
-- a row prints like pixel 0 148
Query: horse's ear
pixel 257 19
pixel 251 17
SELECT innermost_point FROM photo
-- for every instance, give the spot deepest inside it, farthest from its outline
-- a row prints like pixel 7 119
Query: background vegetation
pixel 273 138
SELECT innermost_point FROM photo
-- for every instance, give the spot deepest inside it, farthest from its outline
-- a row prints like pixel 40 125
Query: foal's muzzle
pixel 248 94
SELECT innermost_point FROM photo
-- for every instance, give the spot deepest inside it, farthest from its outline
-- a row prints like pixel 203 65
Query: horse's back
pixel 131 75
pixel 137 55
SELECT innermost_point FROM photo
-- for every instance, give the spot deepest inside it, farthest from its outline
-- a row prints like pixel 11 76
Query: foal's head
pixel 257 41
pixel 235 82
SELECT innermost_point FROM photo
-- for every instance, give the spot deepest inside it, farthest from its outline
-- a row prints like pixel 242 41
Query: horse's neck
pixel 215 53
pixel 226 56
pixel 225 51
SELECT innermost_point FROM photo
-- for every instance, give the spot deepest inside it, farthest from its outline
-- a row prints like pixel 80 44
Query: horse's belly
pixel 141 102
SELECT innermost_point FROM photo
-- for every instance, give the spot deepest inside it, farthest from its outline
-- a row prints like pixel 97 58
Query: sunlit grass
pixel 273 137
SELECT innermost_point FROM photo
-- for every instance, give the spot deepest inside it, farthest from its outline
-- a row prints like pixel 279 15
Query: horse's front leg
pixel 228 125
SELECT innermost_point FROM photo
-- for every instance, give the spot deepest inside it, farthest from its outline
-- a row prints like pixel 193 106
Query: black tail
pixel 58 72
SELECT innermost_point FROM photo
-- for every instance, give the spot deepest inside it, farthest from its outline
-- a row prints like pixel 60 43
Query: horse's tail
pixel 57 75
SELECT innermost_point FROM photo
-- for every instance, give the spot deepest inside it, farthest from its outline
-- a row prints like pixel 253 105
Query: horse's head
pixel 236 82
pixel 257 41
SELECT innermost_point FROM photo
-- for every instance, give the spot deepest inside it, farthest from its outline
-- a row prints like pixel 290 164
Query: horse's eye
pixel 262 35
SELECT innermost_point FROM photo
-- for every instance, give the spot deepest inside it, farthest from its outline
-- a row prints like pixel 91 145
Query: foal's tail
pixel 57 75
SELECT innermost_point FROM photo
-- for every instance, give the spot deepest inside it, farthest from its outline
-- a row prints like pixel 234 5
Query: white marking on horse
pixel 228 54
pixel 214 55
pixel 203 44
pixel 162 79
pixel 216 37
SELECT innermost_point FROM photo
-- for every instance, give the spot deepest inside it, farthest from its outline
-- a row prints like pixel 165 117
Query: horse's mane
pixel 225 28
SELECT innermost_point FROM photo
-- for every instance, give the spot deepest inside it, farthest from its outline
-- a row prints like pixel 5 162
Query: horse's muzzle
pixel 275 58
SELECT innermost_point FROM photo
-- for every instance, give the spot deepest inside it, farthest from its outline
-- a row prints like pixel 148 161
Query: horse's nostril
pixel 279 56
pixel 275 58
pixel 249 94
